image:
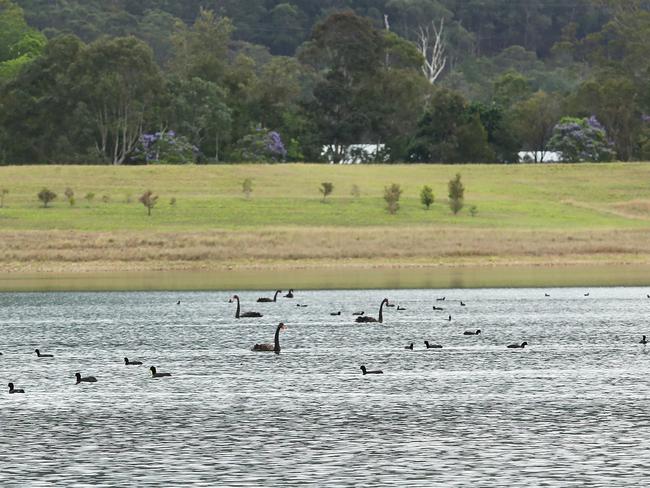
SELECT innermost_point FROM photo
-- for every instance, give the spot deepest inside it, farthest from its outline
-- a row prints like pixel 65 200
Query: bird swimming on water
pixel 432 346
pixel 275 347
pixel 643 341
pixel 518 346
pixel 85 379
pixel 472 332
pixel 15 390
pixel 38 354
pixel 155 374
pixel 374 371
pixel 132 363
pixel 410 346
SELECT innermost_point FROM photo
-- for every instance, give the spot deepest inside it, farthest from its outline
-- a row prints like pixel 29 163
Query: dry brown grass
pixel 57 251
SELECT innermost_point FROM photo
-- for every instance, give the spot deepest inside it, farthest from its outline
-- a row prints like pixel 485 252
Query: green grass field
pixel 581 196
pixel 527 215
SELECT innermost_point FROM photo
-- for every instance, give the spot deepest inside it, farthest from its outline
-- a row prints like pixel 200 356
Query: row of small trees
pixel 392 194
pixel 46 196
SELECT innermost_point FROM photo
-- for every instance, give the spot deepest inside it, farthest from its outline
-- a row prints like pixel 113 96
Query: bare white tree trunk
pixel 432 47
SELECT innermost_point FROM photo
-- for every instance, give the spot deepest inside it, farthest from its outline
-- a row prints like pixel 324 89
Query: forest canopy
pixel 161 81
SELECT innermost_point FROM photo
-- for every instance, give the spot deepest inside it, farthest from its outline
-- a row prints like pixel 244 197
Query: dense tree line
pixel 128 82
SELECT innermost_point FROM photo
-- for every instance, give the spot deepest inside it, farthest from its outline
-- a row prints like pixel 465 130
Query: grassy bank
pixel 527 214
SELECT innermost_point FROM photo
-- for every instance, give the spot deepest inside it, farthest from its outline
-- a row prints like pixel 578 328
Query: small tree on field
pixel 456 194
pixel 89 197
pixel 473 210
pixel 355 191
pixel 46 196
pixel 391 195
pixel 426 196
pixel 149 200
pixel 69 196
pixel 247 187
pixel 326 188
pixel 3 192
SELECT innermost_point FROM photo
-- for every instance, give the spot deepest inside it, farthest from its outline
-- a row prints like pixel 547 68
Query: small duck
pixel 132 363
pixel 335 313
pixel 518 346
pixel 462 303
pixel 358 313
pixel 375 371
pixel 155 374
pixel 438 308
pixel 449 319
pixel 432 346
pixel 38 354
pixel 410 346
pixel 388 304
pixel 301 305
pixel 472 332
pixel 85 379
pixel 178 302
pixel 289 294
pixel 441 299
pixel 546 295
pixel 399 308
pixel 643 341
pixel 15 390
pixel 586 294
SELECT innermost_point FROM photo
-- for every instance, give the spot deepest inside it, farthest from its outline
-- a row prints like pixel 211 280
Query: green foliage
pixel 426 196
pixel 149 200
pixel 392 195
pixel 473 210
pixel 247 187
pixel 456 194
pixel 89 197
pixel 46 196
pixel 581 140
pixel 355 191
pixel 326 188
pixel 3 193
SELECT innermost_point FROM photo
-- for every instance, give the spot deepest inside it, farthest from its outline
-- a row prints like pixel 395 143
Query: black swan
pixel 38 354
pixel 432 346
pixel 85 379
pixel 335 313
pixel 15 390
pixel 462 304
pixel 178 302
pixel 301 306
pixel 132 363
pixel 375 371
pixel 245 314
pixel 275 347
pixel 441 299
pixel 586 294
pixel 367 318
pixel 267 300
pixel 438 308
pixel 400 308
pixel 410 346
pixel 155 374
pixel 517 346
pixel 290 294
pixel 643 341
pixel 471 332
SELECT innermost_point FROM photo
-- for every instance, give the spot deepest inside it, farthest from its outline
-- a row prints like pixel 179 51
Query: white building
pixel 356 153
pixel 540 156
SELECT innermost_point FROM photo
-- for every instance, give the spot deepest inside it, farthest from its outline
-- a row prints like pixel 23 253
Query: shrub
pixel 261 145
pixel 426 196
pixel 326 188
pixel 355 191
pixel 172 202
pixel 456 194
pixel 149 200
pixel 106 199
pixel 3 192
pixel 69 195
pixel 165 148
pixel 247 187
pixel 473 210
pixel 46 196
pixel 392 194
pixel 89 197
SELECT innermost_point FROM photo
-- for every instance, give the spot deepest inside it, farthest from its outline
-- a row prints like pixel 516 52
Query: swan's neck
pixel 276 347
pixel 275 297
pixel 381 311
pixel 238 309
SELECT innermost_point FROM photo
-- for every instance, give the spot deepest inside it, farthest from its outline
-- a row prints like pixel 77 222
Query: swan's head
pixel 524 344
pixel 478 331
pixel 384 301
pixel 281 326
pixel 78 376
pixel 126 360
pixel 153 370
pixel 11 386
pixel 37 351
pixel 363 368
pixel 235 297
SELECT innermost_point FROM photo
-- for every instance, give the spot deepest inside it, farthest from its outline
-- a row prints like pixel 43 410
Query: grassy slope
pixel 585 196
pixel 536 214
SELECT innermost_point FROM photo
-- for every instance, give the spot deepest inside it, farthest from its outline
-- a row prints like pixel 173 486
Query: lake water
pixel 570 410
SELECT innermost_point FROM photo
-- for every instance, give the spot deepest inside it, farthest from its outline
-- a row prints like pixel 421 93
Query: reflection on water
pixel 334 277
pixel 570 410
